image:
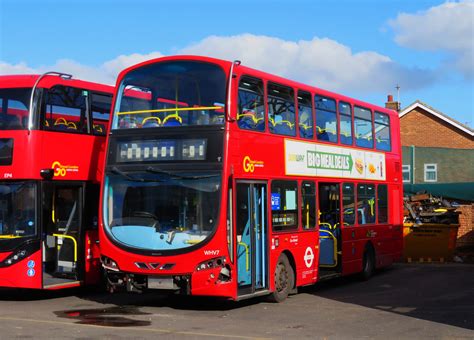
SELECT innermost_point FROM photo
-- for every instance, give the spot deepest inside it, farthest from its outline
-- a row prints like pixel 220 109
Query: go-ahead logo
pixel 249 165
pixel 62 170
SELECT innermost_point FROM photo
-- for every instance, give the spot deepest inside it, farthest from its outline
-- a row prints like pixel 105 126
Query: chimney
pixel 390 104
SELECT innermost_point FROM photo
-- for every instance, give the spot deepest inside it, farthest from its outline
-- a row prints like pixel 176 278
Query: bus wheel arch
pixel 284 278
pixel 368 262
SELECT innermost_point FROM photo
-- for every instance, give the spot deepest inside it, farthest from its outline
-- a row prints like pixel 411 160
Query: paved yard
pixel 406 301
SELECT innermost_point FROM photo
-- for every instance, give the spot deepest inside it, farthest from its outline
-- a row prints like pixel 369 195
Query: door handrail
pixel 247 262
pixel 73 240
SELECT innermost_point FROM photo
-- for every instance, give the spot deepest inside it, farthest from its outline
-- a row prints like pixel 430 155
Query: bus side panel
pixel 303 253
pixel 25 274
pixel 351 250
pixel 354 242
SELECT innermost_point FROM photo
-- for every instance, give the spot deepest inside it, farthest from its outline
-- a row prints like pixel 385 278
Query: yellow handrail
pixel 247 265
pixel 171 109
pixel 9 236
pixel 73 240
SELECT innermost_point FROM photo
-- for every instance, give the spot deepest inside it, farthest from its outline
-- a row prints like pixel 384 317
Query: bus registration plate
pixel 165 282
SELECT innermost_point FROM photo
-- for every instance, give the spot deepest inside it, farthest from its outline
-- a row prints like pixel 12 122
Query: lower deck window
pixel 284 205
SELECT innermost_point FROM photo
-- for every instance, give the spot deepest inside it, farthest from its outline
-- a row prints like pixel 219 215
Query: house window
pixel 406 173
pixel 431 172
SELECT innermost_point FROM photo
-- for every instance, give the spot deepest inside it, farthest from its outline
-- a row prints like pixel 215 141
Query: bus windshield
pixel 165 94
pixel 17 210
pixel 159 211
pixel 14 105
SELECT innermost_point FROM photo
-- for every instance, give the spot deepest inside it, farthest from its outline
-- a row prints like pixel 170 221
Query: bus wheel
pixel 368 266
pixel 284 279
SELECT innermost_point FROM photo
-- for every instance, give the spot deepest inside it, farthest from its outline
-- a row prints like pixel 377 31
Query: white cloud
pixel 20 68
pixel 447 27
pixel 105 73
pixel 320 62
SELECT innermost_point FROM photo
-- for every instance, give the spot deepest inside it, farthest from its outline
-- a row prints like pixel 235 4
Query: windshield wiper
pixel 171 174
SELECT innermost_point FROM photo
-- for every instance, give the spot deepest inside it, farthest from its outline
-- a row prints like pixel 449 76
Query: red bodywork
pixel 80 155
pixel 267 148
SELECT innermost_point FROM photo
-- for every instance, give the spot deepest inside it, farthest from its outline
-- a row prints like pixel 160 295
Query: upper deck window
pixel 66 109
pixel 281 110
pixel 363 127
pixel 326 119
pixel 100 107
pixel 345 123
pixel 305 115
pixel 251 107
pixel 172 93
pixel 14 105
pixel 382 131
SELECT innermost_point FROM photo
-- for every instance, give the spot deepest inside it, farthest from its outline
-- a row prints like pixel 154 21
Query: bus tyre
pixel 368 265
pixel 284 280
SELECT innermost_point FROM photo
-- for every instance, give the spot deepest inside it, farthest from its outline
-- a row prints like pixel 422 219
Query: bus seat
pixel 283 127
pixel 151 122
pixel 346 138
pixel 365 142
pixel 325 226
pixel 327 248
pixel 172 120
pixel 247 120
pixel 321 133
pixel 71 126
pixel 260 124
pixel 99 129
pixel 383 144
pixel 61 124
pixel 306 131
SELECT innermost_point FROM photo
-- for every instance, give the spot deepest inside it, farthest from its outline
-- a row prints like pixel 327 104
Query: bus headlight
pixel 19 254
pixel 109 264
pixel 210 264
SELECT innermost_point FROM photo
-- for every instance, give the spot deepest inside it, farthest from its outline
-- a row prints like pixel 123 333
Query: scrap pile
pixel 424 208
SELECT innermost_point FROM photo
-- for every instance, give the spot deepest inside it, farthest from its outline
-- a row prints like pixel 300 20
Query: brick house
pixel 438 156
pixel 438 152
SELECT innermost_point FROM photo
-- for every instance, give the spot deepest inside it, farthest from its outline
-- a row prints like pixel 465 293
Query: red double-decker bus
pixel 52 145
pixel 222 180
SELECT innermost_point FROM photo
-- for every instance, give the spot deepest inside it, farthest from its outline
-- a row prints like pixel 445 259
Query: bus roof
pixel 28 80
pixel 225 64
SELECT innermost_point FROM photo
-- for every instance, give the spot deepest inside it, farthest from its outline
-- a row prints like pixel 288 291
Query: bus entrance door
pixel 329 228
pixel 251 242
pixel 63 235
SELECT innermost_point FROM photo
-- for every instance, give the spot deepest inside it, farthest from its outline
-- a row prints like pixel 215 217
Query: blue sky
pixel 358 48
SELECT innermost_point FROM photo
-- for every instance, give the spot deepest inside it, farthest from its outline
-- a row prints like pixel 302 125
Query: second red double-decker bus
pixel 52 143
pixel 226 181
